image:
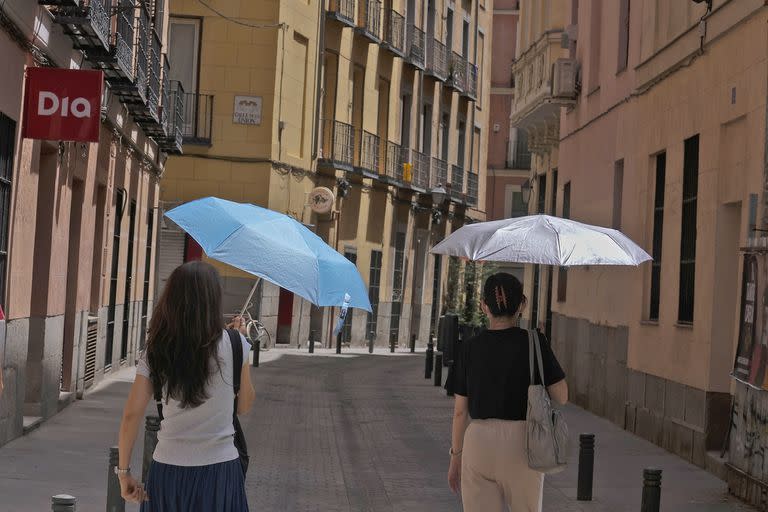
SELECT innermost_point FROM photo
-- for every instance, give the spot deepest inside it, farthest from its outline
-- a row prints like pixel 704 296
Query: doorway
pixel 284 316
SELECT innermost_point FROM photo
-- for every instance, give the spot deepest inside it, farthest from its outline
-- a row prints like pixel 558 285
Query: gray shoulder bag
pixel 546 440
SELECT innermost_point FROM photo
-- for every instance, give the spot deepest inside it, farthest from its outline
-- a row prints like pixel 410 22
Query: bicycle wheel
pixel 252 330
pixel 265 340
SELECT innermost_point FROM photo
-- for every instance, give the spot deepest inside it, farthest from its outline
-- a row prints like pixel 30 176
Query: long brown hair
pixel 183 335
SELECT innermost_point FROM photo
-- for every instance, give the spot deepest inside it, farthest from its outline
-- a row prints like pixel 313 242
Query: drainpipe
pixel 318 68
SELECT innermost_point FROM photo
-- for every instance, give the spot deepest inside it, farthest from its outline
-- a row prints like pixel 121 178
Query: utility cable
pixel 233 20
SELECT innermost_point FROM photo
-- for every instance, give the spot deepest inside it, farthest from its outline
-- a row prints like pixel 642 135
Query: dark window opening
pixel 658 231
pixel 688 234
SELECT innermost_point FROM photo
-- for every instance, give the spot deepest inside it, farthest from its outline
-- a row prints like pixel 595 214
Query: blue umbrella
pixel 272 246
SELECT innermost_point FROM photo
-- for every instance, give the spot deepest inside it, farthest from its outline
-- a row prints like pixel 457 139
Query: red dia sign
pixel 62 104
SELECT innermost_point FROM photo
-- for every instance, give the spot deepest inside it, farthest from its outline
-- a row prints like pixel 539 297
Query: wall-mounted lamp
pixel 437 217
pixel 343 185
pixel 526 191
pixel 438 194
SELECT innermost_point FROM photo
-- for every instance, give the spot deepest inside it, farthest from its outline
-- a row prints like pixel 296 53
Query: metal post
pixel 312 341
pixel 371 340
pixel 151 426
pixel 338 343
pixel 430 359
pixel 256 353
pixel 413 343
pixel 392 344
pixel 63 503
pixel 115 502
pixel 586 467
pixel 651 490
pixel 438 369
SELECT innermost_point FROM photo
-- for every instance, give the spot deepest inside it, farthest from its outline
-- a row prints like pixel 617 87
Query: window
pixel 513 203
pixel 128 297
pixel 553 207
pixel 449 30
pixel 562 273
pixel 688 234
pixel 541 207
pixel 7 139
pixel 462 145
pixel 374 283
pixel 184 52
pixel 623 35
pixel 465 39
pixel 158 17
pixel 480 60
pixel 658 231
pixel 618 186
pixel 436 290
pixel 119 211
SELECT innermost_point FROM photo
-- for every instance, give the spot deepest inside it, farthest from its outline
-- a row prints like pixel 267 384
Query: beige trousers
pixel 494 469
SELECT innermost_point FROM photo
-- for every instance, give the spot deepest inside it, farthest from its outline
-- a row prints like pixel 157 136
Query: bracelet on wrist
pixel 454 453
pixel 122 472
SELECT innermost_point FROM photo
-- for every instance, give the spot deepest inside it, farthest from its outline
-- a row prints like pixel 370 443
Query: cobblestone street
pixel 340 433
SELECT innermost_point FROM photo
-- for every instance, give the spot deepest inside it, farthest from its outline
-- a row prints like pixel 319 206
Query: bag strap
pixel 237 360
pixel 534 345
pixel 159 402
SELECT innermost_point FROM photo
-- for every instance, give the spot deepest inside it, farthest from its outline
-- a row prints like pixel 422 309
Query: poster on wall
pixel 752 350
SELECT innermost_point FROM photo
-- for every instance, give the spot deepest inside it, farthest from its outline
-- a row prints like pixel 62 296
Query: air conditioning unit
pixel 564 74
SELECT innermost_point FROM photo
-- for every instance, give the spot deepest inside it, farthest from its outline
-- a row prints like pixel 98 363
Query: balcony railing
pixel 153 82
pixel 415 46
pixel 87 22
pixel 521 155
pixel 197 118
pixel 369 18
pixel 173 115
pixel 394 32
pixel 370 153
pixel 394 163
pixel 458 79
pixel 124 39
pixel 457 182
pixel 439 174
pixel 338 142
pixel 165 96
pixel 437 59
pixel 141 64
pixel 342 10
pixel 472 188
pixel 420 163
pixel 471 84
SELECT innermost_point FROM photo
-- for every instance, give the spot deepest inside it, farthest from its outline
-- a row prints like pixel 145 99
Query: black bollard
pixel 651 490
pixel 586 467
pixel 430 360
pixel 115 502
pixel 151 426
pixel 256 353
pixel 392 344
pixel 413 343
pixel 371 340
pixel 438 369
pixel 63 503
pixel 338 344
pixel 312 342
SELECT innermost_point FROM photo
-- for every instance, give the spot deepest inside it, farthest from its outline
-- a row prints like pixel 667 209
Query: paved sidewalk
pixel 341 433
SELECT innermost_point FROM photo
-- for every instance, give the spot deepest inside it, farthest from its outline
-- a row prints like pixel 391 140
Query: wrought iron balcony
pixel 394 32
pixel 141 63
pixel 457 183
pixel 369 19
pixel 394 165
pixel 472 188
pixel 470 88
pixel 197 118
pixel 415 50
pixel 342 10
pixel 153 85
pixel 439 174
pixel 420 170
pixel 370 153
pixel 165 96
pixel 458 78
pixel 120 65
pixel 437 59
pixel 173 115
pixel 338 143
pixel 86 22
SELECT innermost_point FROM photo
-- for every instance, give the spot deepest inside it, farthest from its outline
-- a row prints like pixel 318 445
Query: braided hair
pixel 503 294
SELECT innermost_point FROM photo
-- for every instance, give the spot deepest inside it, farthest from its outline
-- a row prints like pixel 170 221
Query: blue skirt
pixel 216 487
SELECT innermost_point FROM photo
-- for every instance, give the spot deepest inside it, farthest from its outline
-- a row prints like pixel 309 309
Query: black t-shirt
pixel 492 371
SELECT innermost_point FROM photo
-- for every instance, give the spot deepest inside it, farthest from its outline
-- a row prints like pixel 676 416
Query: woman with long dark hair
pixel 488 458
pixel 189 358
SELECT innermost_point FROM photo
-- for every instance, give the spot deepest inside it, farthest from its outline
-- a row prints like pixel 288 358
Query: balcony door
pixel 184 56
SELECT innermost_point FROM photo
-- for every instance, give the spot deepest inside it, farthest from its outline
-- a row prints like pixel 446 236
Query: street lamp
pixel 526 191
pixel 438 194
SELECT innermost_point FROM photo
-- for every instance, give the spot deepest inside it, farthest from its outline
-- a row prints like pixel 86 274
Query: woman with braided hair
pixel 488 459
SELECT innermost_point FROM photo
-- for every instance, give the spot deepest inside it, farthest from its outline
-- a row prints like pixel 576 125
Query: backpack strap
pixel 237 360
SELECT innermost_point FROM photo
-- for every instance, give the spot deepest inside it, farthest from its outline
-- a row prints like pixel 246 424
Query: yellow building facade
pixel 382 103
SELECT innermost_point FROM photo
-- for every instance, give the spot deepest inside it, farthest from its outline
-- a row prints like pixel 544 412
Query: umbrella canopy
pixel 542 239
pixel 273 246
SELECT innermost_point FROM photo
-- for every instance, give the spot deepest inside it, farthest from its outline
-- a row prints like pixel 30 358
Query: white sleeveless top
pixel 203 435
